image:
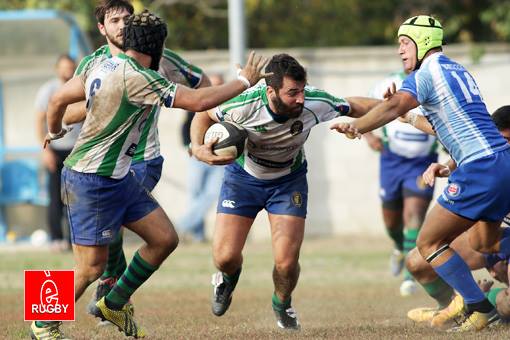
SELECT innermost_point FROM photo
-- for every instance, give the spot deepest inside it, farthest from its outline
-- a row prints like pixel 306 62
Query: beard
pixel 286 110
pixel 115 41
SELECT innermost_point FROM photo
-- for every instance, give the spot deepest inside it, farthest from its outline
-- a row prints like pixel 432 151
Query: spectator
pixel 54 154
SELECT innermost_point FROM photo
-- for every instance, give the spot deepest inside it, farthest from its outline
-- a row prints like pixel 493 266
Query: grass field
pixel 345 292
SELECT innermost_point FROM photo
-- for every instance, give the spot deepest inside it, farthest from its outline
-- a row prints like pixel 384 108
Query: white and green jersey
pixel 120 97
pixel 275 143
pixel 173 68
pixel 401 138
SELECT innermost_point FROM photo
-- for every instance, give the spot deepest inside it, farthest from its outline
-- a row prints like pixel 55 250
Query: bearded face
pixel 292 110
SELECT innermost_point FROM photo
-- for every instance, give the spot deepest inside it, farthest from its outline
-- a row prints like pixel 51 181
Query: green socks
pixel 116 264
pixel 280 305
pixel 232 279
pixel 492 294
pixel 135 275
pixel 410 236
pixel 440 291
pixel 397 235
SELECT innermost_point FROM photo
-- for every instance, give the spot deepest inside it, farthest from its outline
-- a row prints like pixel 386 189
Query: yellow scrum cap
pixel 425 31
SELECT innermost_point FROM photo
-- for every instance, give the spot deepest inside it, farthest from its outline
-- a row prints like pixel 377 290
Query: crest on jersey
pixel 453 190
pixel 296 128
pixel 297 199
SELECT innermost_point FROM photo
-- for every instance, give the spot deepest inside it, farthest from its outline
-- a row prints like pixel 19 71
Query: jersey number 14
pixel 470 89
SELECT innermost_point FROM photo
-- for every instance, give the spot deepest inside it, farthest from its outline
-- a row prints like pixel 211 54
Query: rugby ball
pixel 231 138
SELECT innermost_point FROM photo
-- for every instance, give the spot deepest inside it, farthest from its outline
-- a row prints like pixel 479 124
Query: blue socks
pixel 458 275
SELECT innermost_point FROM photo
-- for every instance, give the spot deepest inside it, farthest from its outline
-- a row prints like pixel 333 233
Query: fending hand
pixel 348 129
pixel 253 71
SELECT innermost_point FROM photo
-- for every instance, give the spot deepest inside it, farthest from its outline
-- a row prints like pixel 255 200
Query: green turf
pixel 345 292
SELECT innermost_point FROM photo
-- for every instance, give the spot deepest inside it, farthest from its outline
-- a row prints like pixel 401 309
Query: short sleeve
pixel 178 70
pixel 150 88
pixel 419 85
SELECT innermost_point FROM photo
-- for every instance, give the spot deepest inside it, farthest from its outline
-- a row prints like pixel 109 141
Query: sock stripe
pixel 134 275
pixel 144 268
pixel 130 285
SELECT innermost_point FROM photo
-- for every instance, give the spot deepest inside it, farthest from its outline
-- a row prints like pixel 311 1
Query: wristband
pixel 413 117
pixel 54 135
pixel 243 79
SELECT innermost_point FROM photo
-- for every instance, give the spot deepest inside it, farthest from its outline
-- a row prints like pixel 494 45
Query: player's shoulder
pixel 172 56
pixel 254 96
pixel 94 58
pixel 313 94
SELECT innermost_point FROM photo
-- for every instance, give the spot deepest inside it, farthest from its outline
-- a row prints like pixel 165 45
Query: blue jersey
pixel 452 103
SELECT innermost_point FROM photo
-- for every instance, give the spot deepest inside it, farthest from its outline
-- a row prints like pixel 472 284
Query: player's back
pixel 120 94
pixel 452 102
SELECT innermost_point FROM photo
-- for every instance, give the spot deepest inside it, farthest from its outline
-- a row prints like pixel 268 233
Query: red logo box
pixel 49 295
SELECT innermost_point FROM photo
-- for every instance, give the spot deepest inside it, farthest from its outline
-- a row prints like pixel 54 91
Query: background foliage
pixel 203 24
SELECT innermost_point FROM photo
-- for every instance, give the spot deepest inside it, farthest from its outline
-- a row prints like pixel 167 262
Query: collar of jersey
pixel 276 117
pixel 107 50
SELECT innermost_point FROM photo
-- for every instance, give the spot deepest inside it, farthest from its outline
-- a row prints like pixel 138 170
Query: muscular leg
pixel 436 287
pixel 229 237
pixel 440 228
pixel 415 208
pixel 161 240
pixel 90 262
pixel 287 236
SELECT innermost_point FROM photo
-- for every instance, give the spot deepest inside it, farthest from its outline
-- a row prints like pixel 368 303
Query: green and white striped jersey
pixel 275 142
pixel 173 68
pixel 121 95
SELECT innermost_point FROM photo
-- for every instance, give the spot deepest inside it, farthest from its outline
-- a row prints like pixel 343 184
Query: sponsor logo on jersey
pixel 296 128
pixel 228 204
pixel 261 128
pixel 453 190
pixel 131 150
pixel 297 199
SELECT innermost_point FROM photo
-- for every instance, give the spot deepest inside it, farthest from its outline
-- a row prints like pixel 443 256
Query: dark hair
pixel 106 5
pixel 501 117
pixel 283 65
pixel 65 57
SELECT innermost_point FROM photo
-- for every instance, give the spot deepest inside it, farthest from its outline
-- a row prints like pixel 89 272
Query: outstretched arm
pixel 418 121
pixel 361 105
pixel 381 114
pixel 202 99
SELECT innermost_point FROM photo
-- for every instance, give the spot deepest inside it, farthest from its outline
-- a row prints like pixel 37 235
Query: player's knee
pixel 168 242
pixel 425 246
pixel 286 267
pixel 415 263
pixel 90 273
pixel 226 261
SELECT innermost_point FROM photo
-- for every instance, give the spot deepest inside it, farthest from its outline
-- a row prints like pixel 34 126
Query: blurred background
pixel 347 46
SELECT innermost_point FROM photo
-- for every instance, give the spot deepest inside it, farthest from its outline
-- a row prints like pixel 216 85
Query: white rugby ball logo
pixel 231 138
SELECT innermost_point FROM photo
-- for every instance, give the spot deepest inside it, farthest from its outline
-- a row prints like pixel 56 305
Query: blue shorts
pixel 244 195
pixel 97 206
pixel 401 177
pixel 148 172
pixel 480 190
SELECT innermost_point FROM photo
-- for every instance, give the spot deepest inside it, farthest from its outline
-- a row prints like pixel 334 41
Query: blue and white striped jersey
pixel 452 103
